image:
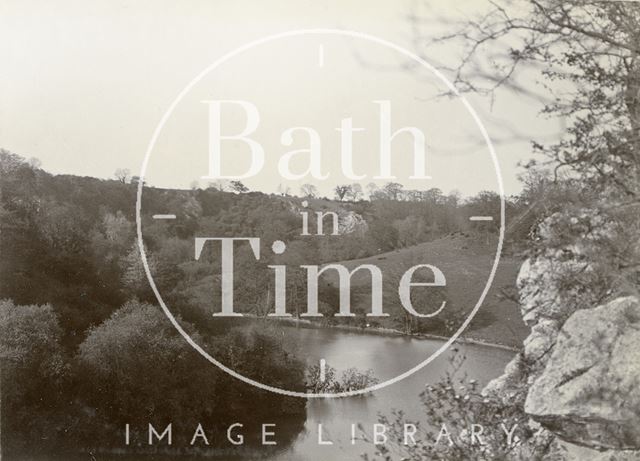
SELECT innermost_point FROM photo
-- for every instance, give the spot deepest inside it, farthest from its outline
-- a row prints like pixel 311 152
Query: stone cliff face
pixel 589 390
pixel 544 306
pixel 578 374
pixel 351 222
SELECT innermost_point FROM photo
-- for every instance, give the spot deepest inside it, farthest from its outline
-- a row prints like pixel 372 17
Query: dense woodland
pixel 79 328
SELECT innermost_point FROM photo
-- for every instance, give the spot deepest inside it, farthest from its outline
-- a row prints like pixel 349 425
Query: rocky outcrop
pixel 510 388
pixel 548 287
pixel 541 293
pixel 569 452
pixel 589 391
pixel 541 340
pixel 578 374
pixel 350 222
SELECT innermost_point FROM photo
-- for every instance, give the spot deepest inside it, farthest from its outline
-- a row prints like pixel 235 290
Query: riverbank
pixel 467 263
pixel 304 323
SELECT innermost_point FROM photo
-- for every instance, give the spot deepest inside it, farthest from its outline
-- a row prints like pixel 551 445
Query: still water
pixel 388 356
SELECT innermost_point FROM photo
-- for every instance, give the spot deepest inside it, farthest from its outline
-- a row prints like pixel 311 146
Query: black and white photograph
pixel 299 230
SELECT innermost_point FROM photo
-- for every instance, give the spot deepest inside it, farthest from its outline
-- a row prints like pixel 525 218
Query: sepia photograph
pixel 298 230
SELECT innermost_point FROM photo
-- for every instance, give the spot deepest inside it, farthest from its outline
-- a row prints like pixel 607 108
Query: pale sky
pixel 84 84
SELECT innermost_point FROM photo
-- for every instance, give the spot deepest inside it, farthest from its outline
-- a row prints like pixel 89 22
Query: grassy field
pixel 466 264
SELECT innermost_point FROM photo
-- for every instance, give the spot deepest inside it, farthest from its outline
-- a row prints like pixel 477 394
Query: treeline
pixel 70 241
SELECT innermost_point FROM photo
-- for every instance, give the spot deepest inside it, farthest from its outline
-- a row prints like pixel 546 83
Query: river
pixel 388 356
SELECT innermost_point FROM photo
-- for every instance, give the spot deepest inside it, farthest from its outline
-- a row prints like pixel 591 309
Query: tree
pixel 411 230
pixel 434 195
pixel 122 175
pixel 485 203
pixel 590 51
pixel 221 185
pixel 308 190
pixel 341 191
pixel 355 192
pixel 115 360
pixel 9 162
pixel 35 163
pixel 284 190
pixel 372 188
pixel 384 234
pixel 592 48
pixel 393 190
pixel 453 198
pixel 134 279
pixel 33 372
pixel 136 359
pixel 239 187
pixel 29 340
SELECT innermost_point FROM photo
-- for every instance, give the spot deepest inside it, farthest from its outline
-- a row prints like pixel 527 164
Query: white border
pixel 236 52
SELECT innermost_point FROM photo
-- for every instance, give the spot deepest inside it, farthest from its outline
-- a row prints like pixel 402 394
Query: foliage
pixel 34 373
pixel 350 380
pixel 122 174
pixel 135 368
pixel 308 190
pixel 342 191
pixel 239 187
pixel 451 407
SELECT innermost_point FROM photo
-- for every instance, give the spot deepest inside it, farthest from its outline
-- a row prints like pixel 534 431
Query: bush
pixel 457 403
pixel 34 372
pixel 137 369
pixel 350 380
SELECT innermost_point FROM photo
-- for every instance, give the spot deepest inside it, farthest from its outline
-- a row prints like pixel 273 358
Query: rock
pixel 509 388
pixel 589 390
pixel 561 279
pixel 545 289
pixel 350 222
pixel 541 340
pixel 578 374
pixel 570 452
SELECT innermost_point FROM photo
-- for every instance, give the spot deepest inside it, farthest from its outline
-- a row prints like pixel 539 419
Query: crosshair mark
pixel 323 371
pixel 164 216
pixel 481 218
